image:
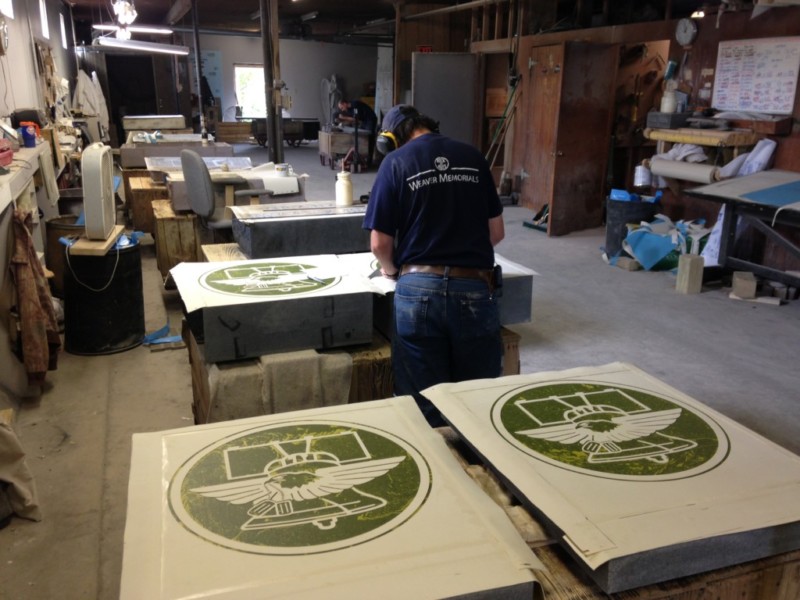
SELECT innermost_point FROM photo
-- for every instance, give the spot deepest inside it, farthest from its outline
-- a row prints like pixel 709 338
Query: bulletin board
pixel 757 75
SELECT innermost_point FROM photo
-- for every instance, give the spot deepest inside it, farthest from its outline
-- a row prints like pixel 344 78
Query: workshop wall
pixel 698 72
pixel 694 74
pixel 19 88
pixel 303 65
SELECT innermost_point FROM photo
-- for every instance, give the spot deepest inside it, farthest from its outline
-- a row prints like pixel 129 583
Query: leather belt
pixel 457 272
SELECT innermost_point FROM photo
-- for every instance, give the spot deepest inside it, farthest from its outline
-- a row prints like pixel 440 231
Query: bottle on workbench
pixel 344 189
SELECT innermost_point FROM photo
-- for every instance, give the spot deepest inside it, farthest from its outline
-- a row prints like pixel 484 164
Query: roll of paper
pixel 676 169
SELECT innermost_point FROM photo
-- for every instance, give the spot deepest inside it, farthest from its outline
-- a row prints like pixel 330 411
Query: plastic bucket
pixel 103 302
pixel 28 136
pixel 621 212
pixel 56 227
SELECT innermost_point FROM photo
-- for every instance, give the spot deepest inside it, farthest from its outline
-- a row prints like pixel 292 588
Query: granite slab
pixel 243 309
pixel 288 229
pixel 355 501
pixel 639 482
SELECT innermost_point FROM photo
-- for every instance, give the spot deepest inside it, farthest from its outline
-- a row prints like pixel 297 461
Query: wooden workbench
pixel 731 141
pixel 333 145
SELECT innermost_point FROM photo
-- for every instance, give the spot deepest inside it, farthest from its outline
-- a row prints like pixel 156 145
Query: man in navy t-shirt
pixel 356 112
pixel 435 218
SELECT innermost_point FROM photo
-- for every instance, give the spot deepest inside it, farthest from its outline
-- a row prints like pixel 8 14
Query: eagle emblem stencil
pixel 268 279
pixel 300 488
pixel 610 431
pixel 304 487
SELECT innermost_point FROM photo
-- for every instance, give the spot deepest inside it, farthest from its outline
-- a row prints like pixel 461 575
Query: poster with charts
pixel 757 75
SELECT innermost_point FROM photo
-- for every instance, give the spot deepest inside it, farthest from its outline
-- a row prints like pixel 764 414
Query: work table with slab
pixel 762 200
pixel 287 229
pixel 336 144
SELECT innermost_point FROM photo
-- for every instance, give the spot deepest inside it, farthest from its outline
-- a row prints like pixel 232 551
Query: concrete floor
pixel 737 357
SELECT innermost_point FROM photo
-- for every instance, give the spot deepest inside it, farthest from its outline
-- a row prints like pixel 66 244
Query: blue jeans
pixel 445 330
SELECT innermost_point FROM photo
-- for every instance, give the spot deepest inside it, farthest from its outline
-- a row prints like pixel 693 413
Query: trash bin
pixel 57 227
pixel 103 302
pixel 621 212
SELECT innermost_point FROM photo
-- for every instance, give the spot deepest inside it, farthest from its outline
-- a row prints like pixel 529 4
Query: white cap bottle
pixel 344 189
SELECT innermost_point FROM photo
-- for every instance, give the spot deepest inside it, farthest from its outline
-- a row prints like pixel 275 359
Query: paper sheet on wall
pixel 757 75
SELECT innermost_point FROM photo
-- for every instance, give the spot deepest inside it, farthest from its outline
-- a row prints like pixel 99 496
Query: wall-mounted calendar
pixel 757 75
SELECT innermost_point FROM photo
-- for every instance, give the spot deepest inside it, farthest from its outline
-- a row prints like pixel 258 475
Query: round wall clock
pixel 686 31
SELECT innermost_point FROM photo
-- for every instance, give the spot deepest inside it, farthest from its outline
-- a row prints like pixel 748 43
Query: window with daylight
pixel 43 17
pixel 249 85
pixel 7 8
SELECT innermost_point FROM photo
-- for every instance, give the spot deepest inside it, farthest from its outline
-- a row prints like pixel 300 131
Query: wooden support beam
pixel 543 15
pixel 512 21
pixel 498 20
pixel 583 13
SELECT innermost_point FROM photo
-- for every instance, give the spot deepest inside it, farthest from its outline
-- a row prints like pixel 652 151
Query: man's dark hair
pixel 412 122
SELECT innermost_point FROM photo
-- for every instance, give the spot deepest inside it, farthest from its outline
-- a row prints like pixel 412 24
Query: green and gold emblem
pixel 610 431
pixel 267 279
pixel 300 487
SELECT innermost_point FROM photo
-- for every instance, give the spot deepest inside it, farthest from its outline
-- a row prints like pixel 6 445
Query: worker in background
pixel 352 112
pixel 435 217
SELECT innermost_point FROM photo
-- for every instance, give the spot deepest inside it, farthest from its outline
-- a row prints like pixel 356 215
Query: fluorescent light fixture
pixel 698 14
pixel 309 16
pixel 139 46
pixel 135 29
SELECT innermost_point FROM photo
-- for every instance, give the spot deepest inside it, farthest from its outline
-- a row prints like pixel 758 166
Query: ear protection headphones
pixel 387 140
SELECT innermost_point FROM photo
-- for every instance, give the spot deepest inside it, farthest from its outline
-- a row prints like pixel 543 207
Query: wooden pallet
pixel 371 377
pixel 773 578
pixel 233 132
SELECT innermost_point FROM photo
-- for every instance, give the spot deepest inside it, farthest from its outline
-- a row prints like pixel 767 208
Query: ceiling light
pixel 126 13
pixel 135 29
pixel 309 16
pixel 123 33
pixel 138 46
pixel 698 14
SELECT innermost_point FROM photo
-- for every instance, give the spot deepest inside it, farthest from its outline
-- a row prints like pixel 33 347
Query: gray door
pixel 444 86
